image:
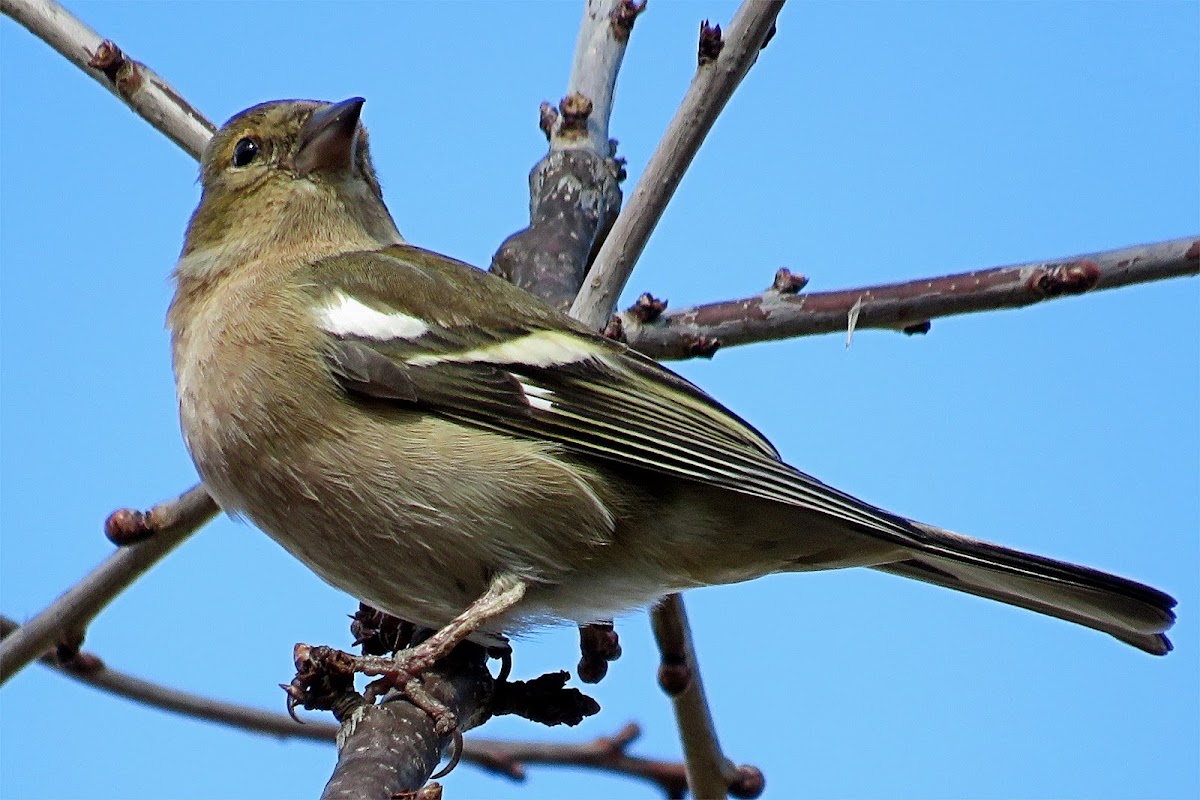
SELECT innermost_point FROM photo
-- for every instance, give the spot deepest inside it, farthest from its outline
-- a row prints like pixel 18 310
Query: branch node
pixel 788 282
pixel 324 676
pixel 710 45
pixel 647 308
pixel 122 72
pixel 1070 277
pixel 574 110
pixel 748 782
pixel 619 742
pixel 623 17
pixel 379 634
pixel 108 59
pixel 918 327
pixel 615 329
pixel 598 645
pixel 703 347
pixel 674 675
pixel 125 526
pixel 545 699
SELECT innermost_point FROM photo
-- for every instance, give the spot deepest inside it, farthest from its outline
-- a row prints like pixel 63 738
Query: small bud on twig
pixel 126 526
pixel 647 308
pixel 623 17
pixel 703 347
pixel 615 329
pixel 788 282
pixel 575 110
pixel 710 45
pixel 917 327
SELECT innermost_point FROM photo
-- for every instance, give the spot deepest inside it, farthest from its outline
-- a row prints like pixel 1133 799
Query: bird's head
pixel 287 176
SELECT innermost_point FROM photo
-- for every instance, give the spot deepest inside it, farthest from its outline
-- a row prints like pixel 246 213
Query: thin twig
pixel 91 670
pixel 599 50
pixel 66 618
pixel 710 772
pixel 710 90
pixel 500 756
pixel 607 754
pixel 906 306
pixel 135 84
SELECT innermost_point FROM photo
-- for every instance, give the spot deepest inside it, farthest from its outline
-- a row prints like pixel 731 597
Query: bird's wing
pixel 419 329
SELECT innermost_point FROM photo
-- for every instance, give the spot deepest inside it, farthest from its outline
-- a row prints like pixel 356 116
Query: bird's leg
pixel 504 592
pixel 402 672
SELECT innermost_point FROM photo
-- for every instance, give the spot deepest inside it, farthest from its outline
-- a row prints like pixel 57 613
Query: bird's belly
pixel 365 506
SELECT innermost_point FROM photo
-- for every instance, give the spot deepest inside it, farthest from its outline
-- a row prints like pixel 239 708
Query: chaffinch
pixel 437 442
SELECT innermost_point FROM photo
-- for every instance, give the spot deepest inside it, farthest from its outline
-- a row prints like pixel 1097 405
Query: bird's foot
pixel 325 676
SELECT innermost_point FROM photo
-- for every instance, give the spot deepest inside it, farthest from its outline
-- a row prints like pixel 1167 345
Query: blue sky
pixel 872 142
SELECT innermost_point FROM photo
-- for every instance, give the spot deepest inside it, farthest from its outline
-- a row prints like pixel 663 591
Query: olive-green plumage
pixel 412 428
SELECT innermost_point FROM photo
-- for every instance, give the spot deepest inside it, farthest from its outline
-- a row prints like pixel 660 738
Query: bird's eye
pixel 244 152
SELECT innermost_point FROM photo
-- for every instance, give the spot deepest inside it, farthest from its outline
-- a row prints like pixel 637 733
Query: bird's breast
pixel 249 382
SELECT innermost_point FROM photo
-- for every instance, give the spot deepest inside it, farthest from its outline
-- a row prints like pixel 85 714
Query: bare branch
pixel 607 754
pixel 710 772
pixel 393 747
pixel 574 190
pixel 90 669
pixel 780 314
pixel 711 89
pixel 599 51
pixel 138 86
pixel 500 756
pixel 65 620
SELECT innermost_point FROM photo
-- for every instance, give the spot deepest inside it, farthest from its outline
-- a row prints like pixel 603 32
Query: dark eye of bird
pixel 244 152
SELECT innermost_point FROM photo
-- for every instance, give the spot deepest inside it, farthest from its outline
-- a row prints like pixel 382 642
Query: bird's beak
pixel 327 140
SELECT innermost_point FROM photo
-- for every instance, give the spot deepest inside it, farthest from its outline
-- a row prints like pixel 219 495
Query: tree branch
pixel 599 50
pixel 711 88
pixel 166 526
pixel 908 306
pixel 606 754
pixel 710 773
pixel 500 756
pixel 393 747
pixel 135 84
pixel 574 191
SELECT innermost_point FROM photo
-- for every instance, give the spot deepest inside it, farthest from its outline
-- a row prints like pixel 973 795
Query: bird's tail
pixel 1134 613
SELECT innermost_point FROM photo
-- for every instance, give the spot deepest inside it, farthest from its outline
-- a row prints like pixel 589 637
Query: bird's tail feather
pixel 1132 612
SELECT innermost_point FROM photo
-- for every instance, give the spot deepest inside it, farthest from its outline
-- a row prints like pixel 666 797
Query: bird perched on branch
pixel 443 446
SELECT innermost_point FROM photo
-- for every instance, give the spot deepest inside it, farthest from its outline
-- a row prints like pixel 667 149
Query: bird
pixel 443 446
